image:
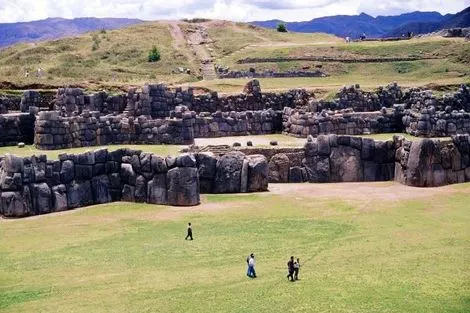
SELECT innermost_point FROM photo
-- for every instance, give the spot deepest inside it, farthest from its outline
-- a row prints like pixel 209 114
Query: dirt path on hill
pixel 180 43
pixel 198 39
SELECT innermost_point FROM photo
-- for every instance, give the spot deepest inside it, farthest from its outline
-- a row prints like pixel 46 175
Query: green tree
pixel 281 27
pixel 154 55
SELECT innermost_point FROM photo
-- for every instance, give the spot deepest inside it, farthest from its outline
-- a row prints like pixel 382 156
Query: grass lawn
pixel 29 150
pixel 368 254
pixel 164 150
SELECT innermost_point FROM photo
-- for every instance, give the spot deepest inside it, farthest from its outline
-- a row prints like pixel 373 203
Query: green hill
pixel 190 49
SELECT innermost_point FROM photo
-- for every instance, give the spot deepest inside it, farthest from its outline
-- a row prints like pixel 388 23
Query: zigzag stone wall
pixel 35 185
pixel 339 158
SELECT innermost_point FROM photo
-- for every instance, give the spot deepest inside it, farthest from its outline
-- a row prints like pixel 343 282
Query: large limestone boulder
pixel 186 160
pixel 128 176
pixel 13 204
pixel 41 198
pixel 228 173
pixel 183 186
pixel 157 189
pixel 279 166
pixel 59 198
pixel 128 193
pixel 419 167
pixel 297 174
pixel 67 172
pixel 318 169
pixel 346 165
pixel 206 166
pixel 79 194
pixel 258 173
pixel 101 191
pixel 140 189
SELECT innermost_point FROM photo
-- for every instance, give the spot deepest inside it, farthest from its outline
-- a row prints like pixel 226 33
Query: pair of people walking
pixel 250 261
pixel 293 268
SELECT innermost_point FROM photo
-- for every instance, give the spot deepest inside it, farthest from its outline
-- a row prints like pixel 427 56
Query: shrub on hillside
pixel 154 55
pixel 281 28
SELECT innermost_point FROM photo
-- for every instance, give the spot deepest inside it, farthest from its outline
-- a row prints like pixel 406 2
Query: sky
pixel 236 10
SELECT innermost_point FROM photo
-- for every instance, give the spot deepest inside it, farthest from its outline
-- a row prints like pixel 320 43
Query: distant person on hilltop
pixel 363 36
pixel 190 233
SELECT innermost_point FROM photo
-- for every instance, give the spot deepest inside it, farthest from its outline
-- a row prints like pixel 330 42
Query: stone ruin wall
pixel 417 112
pixel 432 163
pixel 225 73
pixel 16 127
pixel 339 158
pixel 53 131
pixel 300 123
pixel 429 116
pixel 35 185
pixel 157 114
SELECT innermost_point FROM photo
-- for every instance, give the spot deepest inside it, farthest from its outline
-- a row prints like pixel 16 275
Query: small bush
pixel 281 28
pixel 103 31
pixel 154 55
pixel 96 43
pixel 95 46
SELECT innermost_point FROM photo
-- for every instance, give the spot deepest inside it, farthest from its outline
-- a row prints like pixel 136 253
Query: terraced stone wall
pixel 35 185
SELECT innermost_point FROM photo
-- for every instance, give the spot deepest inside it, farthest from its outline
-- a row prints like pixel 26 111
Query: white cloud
pixel 240 10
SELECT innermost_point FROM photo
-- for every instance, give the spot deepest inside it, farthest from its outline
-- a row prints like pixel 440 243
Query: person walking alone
pixel 296 269
pixel 290 269
pixel 190 233
pixel 251 266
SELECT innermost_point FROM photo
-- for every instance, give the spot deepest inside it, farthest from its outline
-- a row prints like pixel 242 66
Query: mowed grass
pixel 357 256
pixel 164 150
pixel 29 150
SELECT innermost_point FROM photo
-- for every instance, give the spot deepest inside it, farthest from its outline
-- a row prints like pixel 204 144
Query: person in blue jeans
pixel 250 260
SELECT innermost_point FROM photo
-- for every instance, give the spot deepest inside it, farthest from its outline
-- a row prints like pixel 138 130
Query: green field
pixel 164 150
pixel 29 150
pixel 394 249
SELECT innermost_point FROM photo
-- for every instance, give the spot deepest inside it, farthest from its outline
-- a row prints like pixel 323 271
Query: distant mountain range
pixel 380 26
pixel 53 28
pixel 461 19
pixel 340 25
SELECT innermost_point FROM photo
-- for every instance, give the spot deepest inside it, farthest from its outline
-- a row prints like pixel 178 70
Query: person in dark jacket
pixel 290 269
pixel 190 233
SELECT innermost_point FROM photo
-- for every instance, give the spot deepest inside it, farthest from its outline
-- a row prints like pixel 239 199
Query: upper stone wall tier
pixel 73 101
pixel 15 128
pixel 35 185
pixel 300 123
pixel 223 124
pixel 158 101
pixel 53 131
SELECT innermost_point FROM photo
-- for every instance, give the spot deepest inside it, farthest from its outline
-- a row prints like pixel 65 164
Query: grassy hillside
pixel 441 62
pixel 114 57
pixel 375 248
pixel 118 58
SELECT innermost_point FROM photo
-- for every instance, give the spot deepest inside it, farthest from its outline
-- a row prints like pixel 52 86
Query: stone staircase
pixel 217 150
